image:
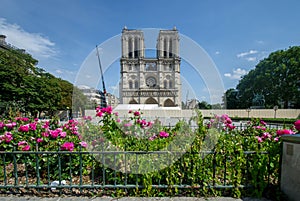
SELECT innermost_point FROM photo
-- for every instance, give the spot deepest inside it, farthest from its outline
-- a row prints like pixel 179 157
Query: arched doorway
pixel 132 101
pixel 169 103
pixel 151 101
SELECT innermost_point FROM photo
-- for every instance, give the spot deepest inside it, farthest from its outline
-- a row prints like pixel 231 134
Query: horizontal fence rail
pixel 58 170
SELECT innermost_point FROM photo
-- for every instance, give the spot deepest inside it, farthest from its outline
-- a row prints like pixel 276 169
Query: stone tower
pixel 150 80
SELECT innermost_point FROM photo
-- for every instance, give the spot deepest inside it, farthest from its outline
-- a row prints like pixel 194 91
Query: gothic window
pixel 170 49
pixel 165 48
pixel 165 84
pixel 151 82
pixel 130 84
pixel 151 67
pixel 136 84
pixel 130 67
pixel 170 84
pixel 136 48
pixel 130 48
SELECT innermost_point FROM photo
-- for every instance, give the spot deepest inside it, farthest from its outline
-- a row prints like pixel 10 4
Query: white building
pixel 150 80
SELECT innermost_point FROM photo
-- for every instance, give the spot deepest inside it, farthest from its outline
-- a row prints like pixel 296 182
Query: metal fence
pixel 55 171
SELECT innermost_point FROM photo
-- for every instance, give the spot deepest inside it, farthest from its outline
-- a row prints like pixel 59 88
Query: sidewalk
pixel 27 198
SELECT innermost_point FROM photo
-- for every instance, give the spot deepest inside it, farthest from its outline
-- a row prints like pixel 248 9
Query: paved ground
pixel 24 198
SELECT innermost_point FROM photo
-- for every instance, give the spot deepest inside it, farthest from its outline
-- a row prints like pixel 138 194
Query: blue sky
pixel 235 34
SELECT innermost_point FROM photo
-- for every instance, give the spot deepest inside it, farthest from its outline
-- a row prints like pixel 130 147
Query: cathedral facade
pixel 153 80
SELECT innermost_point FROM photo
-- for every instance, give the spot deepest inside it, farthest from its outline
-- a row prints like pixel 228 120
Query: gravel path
pixel 25 198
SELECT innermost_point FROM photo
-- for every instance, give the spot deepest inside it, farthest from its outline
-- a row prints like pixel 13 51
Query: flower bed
pixel 211 157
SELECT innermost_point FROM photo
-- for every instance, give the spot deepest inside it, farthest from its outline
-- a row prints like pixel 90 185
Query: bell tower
pixel 153 80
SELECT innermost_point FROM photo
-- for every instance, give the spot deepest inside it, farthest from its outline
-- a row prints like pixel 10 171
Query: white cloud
pixel 244 54
pixel 217 52
pixel 58 71
pixel 251 58
pixel 34 43
pixel 236 74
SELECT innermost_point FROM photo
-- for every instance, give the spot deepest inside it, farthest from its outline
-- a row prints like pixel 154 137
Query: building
pixel 150 80
pixel 6 46
pixel 95 97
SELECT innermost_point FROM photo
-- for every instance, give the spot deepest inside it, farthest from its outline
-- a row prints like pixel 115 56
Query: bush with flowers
pixel 220 154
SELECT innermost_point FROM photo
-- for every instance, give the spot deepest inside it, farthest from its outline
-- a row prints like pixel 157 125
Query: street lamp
pixel 275 109
pixel 248 111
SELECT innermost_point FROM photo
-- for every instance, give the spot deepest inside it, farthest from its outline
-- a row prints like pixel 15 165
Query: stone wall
pixel 153 112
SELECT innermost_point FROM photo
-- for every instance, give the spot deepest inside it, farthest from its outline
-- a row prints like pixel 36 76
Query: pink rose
pixel 284 132
pixel 26 148
pixel 67 146
pixel 259 139
pixel 297 124
pixel 83 144
pixel 163 134
pixel 39 140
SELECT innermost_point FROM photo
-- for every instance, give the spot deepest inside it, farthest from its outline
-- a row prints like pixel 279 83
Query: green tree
pixel 204 105
pixel 276 77
pixel 231 99
pixel 28 89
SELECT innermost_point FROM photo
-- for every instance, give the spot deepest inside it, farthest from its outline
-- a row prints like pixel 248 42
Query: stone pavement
pixel 27 198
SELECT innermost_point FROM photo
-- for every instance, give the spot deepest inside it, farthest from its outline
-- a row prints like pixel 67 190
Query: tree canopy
pixel 29 89
pixel 276 78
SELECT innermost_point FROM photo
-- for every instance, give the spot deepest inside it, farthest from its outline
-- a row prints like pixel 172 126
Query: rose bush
pixel 233 156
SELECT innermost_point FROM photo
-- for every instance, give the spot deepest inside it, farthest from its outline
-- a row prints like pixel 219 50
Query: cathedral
pixel 150 80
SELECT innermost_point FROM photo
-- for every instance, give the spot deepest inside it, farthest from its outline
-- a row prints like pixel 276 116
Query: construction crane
pixel 102 93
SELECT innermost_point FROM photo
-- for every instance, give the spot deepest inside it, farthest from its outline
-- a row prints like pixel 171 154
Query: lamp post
pixel 275 109
pixel 248 111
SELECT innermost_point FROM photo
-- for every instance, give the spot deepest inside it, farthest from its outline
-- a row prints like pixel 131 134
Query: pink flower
pixel 89 118
pixel 22 143
pixel 107 110
pixel 26 148
pixel 284 132
pixel 67 146
pixel 127 125
pixel 276 139
pixel 259 128
pixel 99 114
pixel 54 134
pixel 83 144
pixel 266 135
pixel 24 128
pixel 230 126
pixel 129 111
pixel 46 124
pixel 7 137
pixel 163 134
pixel 152 137
pixel 32 126
pixel 118 120
pixel 263 123
pixel 1 125
pixel 116 114
pixel 45 134
pixel 136 113
pixel 39 140
pixel 63 134
pixel 11 125
pixel 149 124
pixel 259 139
pixel 297 124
